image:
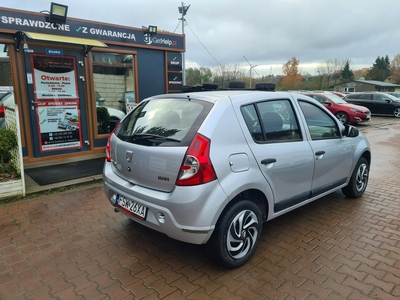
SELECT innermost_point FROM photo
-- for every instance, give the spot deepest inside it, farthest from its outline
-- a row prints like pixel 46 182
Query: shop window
pixel 6 87
pixel 114 84
pixel 5 68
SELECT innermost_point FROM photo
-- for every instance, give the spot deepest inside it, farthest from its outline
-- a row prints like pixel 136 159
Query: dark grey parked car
pixel 211 167
pixel 377 102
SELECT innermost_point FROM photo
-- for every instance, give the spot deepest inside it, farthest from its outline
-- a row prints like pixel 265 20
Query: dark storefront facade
pixel 71 81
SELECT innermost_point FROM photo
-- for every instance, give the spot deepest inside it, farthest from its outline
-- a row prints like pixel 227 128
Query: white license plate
pixel 132 206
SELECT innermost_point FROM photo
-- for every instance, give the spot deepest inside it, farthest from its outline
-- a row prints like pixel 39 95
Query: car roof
pixel 212 96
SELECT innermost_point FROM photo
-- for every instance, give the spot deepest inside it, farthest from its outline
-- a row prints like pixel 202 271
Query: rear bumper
pixel 186 214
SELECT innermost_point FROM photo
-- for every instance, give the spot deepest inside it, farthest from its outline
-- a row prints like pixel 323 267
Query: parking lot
pixel 72 245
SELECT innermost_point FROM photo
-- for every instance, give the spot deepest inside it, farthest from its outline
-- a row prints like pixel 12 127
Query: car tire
pixel 358 181
pixel 237 84
pixel 236 235
pixel 396 112
pixel 265 86
pixel 343 117
pixel 210 86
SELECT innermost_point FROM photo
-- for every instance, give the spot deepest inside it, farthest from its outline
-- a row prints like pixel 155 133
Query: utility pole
pixel 251 67
pixel 183 10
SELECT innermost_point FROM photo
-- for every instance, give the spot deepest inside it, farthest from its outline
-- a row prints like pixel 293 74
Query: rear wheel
pixel 396 112
pixel 236 235
pixel 343 117
pixel 358 181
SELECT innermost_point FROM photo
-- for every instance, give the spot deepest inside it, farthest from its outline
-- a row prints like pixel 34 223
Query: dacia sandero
pixel 210 167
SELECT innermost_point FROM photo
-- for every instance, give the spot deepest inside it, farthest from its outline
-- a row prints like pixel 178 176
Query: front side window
pixel 114 85
pixel 384 97
pixel 320 124
pixel 271 121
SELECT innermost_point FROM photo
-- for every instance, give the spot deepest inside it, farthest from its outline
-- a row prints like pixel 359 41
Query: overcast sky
pixel 267 32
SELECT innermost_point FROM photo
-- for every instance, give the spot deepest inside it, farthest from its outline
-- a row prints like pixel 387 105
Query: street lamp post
pixel 183 10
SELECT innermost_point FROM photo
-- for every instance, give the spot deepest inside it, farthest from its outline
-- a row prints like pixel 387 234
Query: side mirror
pixel 329 103
pixel 350 131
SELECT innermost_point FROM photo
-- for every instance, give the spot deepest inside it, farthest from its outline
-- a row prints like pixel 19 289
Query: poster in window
pixel 56 102
pixel 174 61
pixel 54 77
pixel 174 81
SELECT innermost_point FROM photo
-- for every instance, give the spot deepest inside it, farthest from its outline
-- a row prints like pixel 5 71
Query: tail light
pixel 2 111
pixel 197 167
pixel 108 147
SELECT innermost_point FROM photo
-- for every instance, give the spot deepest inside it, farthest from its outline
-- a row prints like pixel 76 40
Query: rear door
pixel 285 159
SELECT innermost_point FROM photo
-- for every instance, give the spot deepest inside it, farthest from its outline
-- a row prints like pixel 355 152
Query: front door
pixel 56 95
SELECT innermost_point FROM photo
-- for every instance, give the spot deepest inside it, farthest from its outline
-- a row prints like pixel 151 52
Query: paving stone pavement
pixel 72 245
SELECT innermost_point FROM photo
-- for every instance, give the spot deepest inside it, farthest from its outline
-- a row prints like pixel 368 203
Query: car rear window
pixel 166 122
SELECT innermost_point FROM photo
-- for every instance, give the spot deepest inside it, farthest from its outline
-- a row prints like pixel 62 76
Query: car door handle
pixel 318 153
pixel 268 161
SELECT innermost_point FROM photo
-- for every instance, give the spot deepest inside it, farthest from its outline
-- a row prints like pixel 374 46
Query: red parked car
pixel 347 113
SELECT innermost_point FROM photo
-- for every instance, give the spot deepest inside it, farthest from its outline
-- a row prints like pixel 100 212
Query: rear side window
pixel 364 96
pixel 272 121
pixel 166 122
pixel 353 96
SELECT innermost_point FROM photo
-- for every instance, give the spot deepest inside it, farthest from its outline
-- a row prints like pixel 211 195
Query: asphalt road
pixel 72 245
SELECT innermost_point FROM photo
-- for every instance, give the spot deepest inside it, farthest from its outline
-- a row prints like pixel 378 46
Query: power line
pixel 177 25
pixel 203 45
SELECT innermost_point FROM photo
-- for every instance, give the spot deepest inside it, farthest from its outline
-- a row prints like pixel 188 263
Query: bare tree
pixel 222 74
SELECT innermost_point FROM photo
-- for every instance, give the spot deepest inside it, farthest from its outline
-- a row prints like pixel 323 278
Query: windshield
pixel 335 98
pixel 397 95
pixel 393 97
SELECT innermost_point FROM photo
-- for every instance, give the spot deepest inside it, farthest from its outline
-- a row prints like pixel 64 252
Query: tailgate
pixel 151 167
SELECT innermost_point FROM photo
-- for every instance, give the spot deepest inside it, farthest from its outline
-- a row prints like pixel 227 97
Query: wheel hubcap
pixel 242 234
pixel 361 177
pixel 342 118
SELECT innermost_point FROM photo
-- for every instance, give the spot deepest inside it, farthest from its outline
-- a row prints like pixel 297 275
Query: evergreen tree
pixel 380 70
pixel 346 75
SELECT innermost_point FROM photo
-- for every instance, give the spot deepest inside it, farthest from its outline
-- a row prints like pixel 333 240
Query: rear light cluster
pixel 108 147
pixel 2 110
pixel 197 167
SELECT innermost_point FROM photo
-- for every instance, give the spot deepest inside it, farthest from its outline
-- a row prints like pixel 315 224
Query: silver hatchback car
pixel 211 167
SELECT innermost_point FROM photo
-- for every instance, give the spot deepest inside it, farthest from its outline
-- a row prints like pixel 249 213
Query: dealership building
pixel 73 79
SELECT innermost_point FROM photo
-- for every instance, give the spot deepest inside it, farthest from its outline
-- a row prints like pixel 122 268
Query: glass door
pixel 56 95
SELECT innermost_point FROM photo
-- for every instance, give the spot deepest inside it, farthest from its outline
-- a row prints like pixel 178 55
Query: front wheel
pixel 236 235
pixel 358 181
pixel 343 117
pixel 396 112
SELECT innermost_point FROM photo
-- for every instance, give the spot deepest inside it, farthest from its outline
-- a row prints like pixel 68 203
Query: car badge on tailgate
pixel 129 155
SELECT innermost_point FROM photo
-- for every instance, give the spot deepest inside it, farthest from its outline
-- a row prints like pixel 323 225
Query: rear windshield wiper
pixel 146 136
